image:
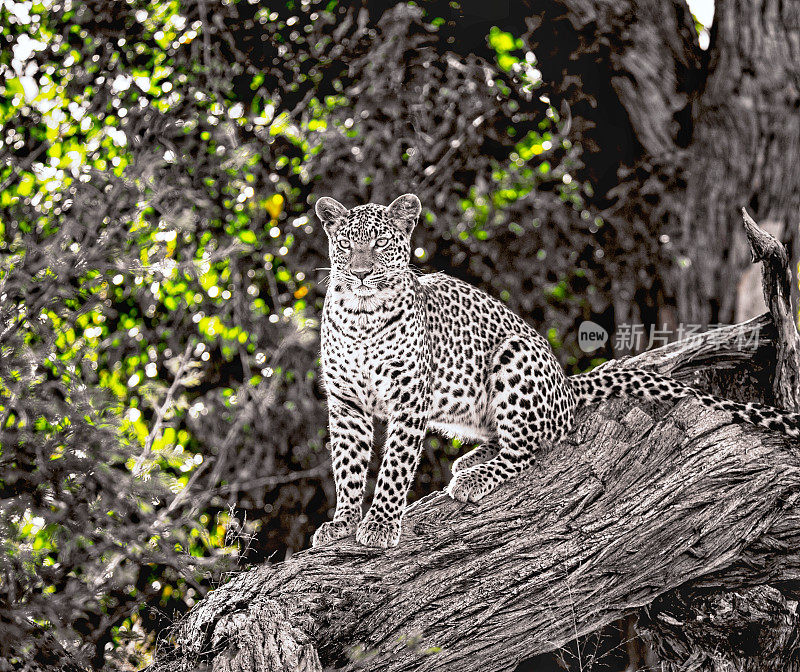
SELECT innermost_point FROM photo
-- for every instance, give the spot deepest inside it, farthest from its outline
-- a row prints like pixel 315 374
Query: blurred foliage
pixel 161 277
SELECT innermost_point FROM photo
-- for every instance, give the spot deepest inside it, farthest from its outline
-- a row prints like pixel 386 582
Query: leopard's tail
pixel 593 387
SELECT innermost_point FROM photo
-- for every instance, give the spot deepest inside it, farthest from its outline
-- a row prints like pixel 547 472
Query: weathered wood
pixel 777 281
pixel 639 501
pixel 630 507
pixel 751 630
pixel 758 629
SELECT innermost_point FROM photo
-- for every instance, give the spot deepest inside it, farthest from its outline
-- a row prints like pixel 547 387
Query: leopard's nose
pixel 361 274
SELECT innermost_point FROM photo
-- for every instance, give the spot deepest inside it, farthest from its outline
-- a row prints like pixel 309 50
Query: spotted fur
pixel 433 352
pixel 597 385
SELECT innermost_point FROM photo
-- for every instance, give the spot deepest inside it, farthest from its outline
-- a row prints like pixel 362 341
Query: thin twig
pixel 221 457
pixel 15 172
pixel 206 39
pixel 271 481
pixel 161 412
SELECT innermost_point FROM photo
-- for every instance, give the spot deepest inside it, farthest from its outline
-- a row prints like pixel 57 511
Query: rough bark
pixel 674 136
pixel 749 630
pixel 776 284
pixel 697 628
pixel 638 502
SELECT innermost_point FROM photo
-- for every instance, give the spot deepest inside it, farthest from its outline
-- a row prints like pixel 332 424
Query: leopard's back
pixel 466 328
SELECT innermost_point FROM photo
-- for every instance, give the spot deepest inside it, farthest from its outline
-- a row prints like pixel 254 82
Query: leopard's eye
pixel 383 241
pixel 344 243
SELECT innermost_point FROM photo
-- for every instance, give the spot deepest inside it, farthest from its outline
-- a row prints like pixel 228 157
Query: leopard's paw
pixel 471 484
pixel 371 532
pixel 336 529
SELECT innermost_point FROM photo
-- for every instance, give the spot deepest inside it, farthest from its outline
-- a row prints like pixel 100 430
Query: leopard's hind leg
pixel 478 455
pixel 532 405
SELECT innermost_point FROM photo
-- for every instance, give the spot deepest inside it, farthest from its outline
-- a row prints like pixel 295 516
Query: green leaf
pixel 248 237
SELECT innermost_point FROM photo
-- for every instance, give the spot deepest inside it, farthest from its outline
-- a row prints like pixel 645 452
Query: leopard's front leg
pixel 351 432
pixel 407 423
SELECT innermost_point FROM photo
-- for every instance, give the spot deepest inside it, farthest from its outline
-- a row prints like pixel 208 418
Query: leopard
pixel 430 352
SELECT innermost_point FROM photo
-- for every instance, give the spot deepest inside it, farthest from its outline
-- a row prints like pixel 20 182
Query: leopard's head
pixel 369 245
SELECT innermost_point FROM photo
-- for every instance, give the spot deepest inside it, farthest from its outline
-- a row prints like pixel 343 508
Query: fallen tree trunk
pixel 642 506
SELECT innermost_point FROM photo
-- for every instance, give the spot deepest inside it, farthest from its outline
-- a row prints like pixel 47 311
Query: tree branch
pixel 638 502
pixel 776 282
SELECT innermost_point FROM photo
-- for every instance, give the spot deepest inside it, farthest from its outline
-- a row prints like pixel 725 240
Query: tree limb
pixel 776 282
pixel 638 502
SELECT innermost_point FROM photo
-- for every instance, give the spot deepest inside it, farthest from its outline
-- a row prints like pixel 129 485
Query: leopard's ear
pixel 331 213
pixel 404 212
